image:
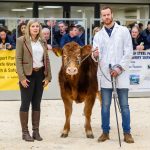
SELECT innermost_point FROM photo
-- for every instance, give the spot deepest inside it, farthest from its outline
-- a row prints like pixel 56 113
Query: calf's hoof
pixel 64 135
pixel 91 136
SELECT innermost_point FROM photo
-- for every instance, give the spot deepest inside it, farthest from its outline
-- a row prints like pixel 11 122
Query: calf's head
pixel 72 57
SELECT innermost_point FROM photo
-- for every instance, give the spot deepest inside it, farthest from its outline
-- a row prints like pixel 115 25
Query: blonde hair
pixel 27 32
pixel 96 29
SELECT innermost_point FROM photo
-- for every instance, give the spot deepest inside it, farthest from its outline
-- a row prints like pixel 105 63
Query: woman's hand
pixel 45 81
pixel 25 83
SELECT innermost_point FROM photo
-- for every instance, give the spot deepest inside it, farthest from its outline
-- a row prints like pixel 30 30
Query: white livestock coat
pixel 116 49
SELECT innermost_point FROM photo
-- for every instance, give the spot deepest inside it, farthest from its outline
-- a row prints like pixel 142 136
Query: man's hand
pixel 114 73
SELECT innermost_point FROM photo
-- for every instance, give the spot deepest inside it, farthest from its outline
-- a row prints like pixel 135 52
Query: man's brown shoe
pixel 128 138
pixel 103 137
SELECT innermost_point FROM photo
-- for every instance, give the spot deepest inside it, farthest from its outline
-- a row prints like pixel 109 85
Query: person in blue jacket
pixel 6 41
pixel 71 36
pixel 146 36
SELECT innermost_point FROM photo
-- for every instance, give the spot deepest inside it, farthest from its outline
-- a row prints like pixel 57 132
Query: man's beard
pixel 108 23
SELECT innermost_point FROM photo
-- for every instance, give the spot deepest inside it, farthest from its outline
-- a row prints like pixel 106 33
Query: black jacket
pixel 137 42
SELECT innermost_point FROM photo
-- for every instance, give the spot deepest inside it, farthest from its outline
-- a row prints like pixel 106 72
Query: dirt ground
pixel 52 120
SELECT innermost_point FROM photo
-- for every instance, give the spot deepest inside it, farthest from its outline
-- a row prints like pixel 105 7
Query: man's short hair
pixel 106 7
pixel 81 29
pixel 72 27
pixel 61 22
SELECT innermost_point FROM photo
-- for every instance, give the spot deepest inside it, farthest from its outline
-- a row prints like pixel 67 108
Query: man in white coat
pixel 113 45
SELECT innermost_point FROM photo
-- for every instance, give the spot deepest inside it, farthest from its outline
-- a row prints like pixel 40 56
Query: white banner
pixel 140 71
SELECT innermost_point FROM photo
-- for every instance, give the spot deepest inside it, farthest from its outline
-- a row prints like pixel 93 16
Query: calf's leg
pixel 68 112
pixel 88 111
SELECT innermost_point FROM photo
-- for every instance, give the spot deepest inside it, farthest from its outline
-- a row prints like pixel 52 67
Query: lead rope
pixel 113 82
pixel 102 71
pixel 79 60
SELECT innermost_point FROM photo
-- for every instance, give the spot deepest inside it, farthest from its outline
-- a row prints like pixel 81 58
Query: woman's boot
pixel 24 124
pixel 35 125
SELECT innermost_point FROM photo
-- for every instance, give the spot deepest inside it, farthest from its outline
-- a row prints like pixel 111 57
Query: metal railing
pixel 12 23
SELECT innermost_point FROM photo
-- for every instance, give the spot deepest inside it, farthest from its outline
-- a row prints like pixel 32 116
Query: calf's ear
pixel 86 50
pixel 57 51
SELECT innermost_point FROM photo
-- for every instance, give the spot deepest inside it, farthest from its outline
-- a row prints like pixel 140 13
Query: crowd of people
pixel 62 33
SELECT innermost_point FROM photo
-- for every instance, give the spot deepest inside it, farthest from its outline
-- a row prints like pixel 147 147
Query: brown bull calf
pixel 78 82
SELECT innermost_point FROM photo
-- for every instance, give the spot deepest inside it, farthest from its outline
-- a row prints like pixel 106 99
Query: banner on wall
pixel 140 71
pixel 8 75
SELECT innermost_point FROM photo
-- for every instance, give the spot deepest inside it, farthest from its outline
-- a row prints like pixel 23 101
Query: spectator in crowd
pixel 51 25
pixel 47 35
pixel 21 29
pixel 71 36
pixel 8 32
pixel 6 41
pixel 81 33
pixel 141 26
pixel 22 20
pixel 137 40
pixel 62 31
pixel 95 30
pixel 146 36
pixel 13 34
pixel 34 74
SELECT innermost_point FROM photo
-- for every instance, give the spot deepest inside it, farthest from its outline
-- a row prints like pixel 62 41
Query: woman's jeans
pixel 105 111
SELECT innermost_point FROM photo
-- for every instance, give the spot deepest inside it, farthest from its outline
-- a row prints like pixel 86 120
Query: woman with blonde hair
pixel 95 30
pixel 33 68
